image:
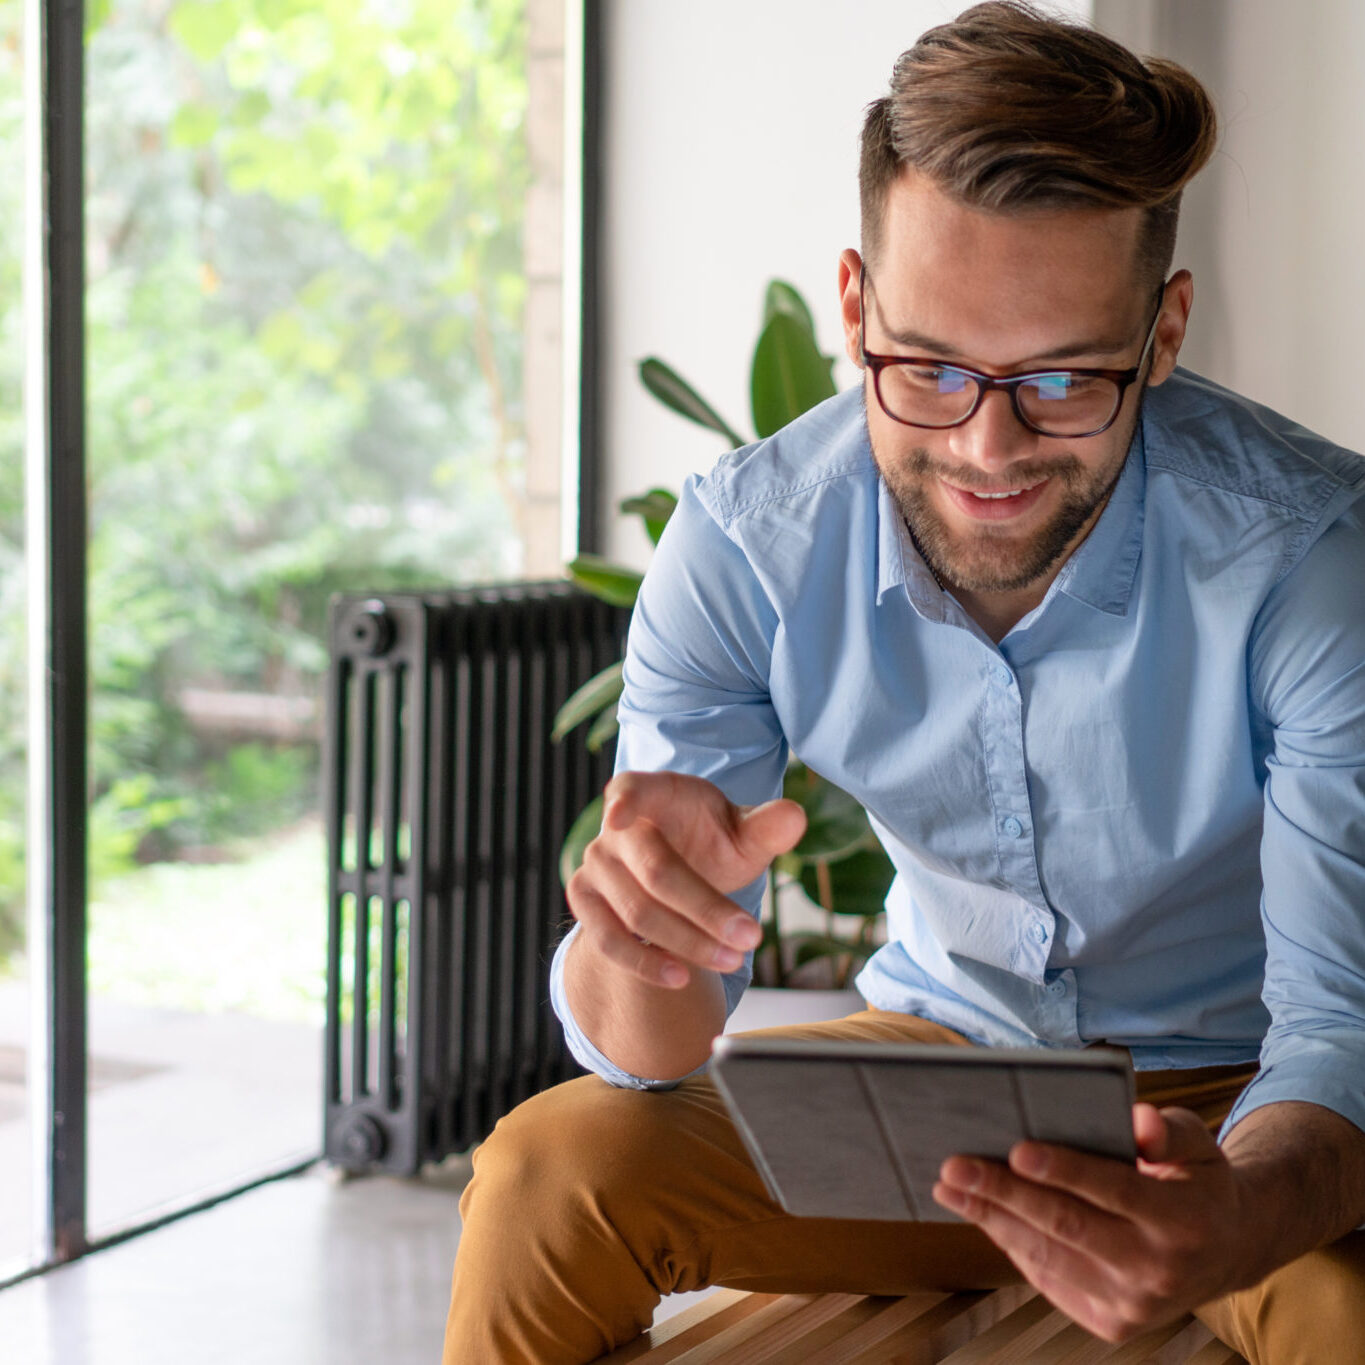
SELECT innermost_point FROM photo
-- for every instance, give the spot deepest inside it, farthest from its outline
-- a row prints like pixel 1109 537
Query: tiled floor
pixel 181 1106
pixel 303 1271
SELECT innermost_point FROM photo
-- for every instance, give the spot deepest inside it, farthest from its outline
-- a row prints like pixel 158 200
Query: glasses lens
pixel 926 395
pixel 1068 404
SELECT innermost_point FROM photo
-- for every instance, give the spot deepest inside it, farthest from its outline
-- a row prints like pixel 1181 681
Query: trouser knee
pixel 573 1146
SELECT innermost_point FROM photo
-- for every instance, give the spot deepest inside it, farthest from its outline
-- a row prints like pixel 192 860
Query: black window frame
pixel 55 363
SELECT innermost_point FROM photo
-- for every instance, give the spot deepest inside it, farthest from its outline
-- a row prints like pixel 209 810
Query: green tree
pixel 304 320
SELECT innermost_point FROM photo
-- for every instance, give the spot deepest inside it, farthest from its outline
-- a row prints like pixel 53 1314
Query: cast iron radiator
pixel 446 804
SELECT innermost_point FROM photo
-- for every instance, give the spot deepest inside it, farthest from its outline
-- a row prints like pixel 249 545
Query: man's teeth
pixel 1011 493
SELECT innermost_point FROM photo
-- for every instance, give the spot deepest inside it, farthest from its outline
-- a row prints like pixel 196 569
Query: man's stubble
pixel 991 558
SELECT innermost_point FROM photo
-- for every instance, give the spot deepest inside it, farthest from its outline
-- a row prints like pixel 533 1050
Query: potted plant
pixel 823 915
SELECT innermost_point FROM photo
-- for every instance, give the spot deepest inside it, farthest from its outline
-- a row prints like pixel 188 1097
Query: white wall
pixel 730 156
pixel 1274 229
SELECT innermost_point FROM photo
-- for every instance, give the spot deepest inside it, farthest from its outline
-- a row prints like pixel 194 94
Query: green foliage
pixel 304 303
pixel 596 695
pixel 676 393
pixel 839 865
pixel 610 582
pixel 581 833
pixel 789 373
pixel 257 788
pixel 655 507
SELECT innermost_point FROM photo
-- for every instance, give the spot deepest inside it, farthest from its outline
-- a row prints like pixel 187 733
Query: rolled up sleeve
pixel 695 701
pixel 1308 682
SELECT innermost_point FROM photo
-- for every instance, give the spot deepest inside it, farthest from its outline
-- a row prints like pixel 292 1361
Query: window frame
pixel 56 520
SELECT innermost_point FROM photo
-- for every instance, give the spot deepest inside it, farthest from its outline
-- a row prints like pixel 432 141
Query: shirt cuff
pixel 584 1053
pixel 1323 1071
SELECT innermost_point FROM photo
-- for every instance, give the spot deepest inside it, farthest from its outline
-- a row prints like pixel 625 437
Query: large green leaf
pixel 782 297
pixel 673 391
pixel 858 883
pixel 789 374
pixel 655 507
pixel 610 582
pixel 836 825
pixel 583 831
pixel 599 691
pixel 605 727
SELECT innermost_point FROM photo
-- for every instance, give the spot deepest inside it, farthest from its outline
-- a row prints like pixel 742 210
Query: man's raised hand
pixel 653 891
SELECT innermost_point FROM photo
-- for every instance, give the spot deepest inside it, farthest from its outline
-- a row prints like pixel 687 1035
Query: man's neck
pixel 997 613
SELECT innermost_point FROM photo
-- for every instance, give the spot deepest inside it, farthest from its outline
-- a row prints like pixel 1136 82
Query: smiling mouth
pixel 998 496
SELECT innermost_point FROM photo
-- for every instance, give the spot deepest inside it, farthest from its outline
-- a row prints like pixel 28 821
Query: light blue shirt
pixel 1139 819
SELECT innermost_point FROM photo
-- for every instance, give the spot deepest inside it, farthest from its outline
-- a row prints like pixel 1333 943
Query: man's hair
pixel 1008 109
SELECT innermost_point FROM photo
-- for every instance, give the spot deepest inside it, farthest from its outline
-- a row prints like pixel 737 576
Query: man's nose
pixel 993 437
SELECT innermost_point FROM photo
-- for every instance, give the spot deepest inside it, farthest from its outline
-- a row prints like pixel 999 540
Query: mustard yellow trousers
pixel 589 1203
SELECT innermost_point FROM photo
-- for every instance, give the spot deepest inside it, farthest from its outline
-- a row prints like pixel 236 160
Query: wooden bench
pixel 1012 1326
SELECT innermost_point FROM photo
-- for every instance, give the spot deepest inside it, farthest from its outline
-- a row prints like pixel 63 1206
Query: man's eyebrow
pixel 920 344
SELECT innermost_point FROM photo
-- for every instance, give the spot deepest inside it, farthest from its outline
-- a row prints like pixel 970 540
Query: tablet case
pixel 862 1133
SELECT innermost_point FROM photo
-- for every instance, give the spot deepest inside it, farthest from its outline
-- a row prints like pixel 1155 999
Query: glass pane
pixel 304 306
pixel 15 1148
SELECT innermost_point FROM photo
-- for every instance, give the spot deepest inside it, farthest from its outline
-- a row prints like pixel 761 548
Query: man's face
pixel 1005 295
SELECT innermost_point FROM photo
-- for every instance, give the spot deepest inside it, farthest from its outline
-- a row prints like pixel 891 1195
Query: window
pixel 322 254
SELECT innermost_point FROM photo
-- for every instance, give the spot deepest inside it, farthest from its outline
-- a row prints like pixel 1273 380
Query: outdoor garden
pixel 304 297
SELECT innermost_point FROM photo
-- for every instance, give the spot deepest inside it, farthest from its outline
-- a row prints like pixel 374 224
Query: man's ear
pixel 850 269
pixel 1170 327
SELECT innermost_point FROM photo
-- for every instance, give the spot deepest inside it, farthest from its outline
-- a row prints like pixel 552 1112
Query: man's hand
pixel 652 893
pixel 1120 1249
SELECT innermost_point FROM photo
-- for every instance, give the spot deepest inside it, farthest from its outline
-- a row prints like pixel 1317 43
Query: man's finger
pixel 1172 1136
pixel 658 869
pixel 772 828
pixel 1069 1278
pixel 646 917
pixel 651 964
pixel 1059 1215
pixel 1111 1185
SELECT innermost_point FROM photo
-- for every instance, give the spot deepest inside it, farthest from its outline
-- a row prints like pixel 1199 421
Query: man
pixel 1082 633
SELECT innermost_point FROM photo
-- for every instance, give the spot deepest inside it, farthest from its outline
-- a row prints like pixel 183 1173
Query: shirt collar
pixel 899 563
pixel 1100 573
pixel 1103 568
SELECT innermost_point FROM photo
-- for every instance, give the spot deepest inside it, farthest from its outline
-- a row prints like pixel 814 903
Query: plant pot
pixel 770 1006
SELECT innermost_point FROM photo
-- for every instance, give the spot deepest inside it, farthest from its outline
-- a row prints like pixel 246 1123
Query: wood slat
pixel 764 1339
pixel 937 1333
pixel 1012 1340
pixel 892 1316
pixel 1012 1326
pixel 664 1343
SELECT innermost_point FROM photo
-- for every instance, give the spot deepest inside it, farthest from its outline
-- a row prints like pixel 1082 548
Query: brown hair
pixel 1008 109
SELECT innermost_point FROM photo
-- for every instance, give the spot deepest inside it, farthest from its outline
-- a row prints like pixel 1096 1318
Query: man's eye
pixel 1072 386
pixel 934 377
pixel 1055 386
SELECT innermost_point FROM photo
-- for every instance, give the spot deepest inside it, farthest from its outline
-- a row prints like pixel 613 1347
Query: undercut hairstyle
pixel 1008 109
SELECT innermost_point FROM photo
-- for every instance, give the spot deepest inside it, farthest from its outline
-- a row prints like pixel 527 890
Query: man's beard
pixel 992 557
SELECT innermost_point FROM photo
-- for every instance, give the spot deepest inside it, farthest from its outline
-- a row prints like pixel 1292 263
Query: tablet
pixel 859 1130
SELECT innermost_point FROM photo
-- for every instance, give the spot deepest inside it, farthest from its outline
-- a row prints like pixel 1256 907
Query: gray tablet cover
pixel 860 1131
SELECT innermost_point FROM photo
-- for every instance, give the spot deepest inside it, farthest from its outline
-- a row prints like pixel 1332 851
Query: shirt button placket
pixel 1006 763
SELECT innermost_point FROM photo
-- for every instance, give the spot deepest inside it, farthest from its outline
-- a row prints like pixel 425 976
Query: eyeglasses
pixel 929 393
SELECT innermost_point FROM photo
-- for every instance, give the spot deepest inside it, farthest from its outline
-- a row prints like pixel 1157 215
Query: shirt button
pixel 1057 988
pixel 1003 676
pixel 1012 827
pixel 1040 931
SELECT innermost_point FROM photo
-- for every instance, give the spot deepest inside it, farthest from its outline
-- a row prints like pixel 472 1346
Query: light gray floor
pixel 181 1106
pixel 304 1271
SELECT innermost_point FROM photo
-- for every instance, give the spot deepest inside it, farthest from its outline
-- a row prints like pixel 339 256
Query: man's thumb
pixel 772 828
pixel 1171 1136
